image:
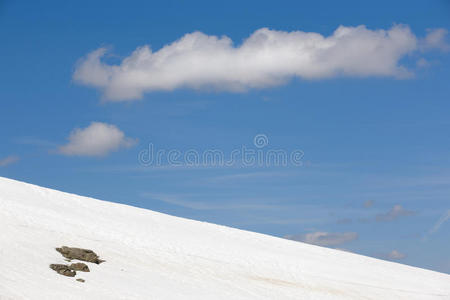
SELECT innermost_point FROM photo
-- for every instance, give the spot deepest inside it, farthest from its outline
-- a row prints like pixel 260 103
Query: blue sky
pixel 375 172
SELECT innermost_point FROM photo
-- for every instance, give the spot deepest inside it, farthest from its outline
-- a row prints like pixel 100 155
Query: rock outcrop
pixel 79 267
pixel 80 254
pixel 63 270
pixel 75 253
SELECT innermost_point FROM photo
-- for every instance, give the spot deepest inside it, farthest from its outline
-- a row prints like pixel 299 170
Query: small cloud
pixel 98 139
pixel 422 63
pixel 436 39
pixel 326 239
pixel 393 255
pixel 9 160
pixel 396 212
pixel 368 203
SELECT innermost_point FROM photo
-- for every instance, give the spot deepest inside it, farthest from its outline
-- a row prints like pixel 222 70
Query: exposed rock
pixel 63 270
pixel 81 280
pixel 80 254
pixel 79 267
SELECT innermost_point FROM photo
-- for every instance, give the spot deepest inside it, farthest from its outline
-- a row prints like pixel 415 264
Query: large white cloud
pixel 325 238
pixel 267 58
pixel 98 139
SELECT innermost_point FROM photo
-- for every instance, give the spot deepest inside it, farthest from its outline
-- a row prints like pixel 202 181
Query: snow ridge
pixel 150 255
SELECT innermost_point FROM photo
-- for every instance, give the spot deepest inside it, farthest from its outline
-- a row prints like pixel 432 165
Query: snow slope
pixel 150 255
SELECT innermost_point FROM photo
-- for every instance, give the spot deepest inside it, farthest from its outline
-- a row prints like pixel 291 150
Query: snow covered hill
pixel 150 255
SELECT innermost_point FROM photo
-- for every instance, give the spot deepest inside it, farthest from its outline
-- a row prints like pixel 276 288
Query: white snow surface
pixel 150 255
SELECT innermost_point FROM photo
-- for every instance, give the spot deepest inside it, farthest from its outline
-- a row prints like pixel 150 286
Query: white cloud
pixel 267 58
pixel 396 212
pixel 445 217
pixel 436 39
pixel 393 255
pixel 325 238
pixel 98 139
pixel 8 160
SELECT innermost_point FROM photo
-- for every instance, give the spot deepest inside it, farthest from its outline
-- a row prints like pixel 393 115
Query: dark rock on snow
pixel 80 254
pixel 63 270
pixel 79 267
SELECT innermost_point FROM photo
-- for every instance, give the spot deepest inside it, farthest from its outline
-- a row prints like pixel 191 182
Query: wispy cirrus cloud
pixel 98 139
pixel 327 239
pixel 35 141
pixel 186 202
pixel 9 160
pixel 394 213
pixel 441 221
pixel 250 176
pixel 266 58
pixel 445 217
